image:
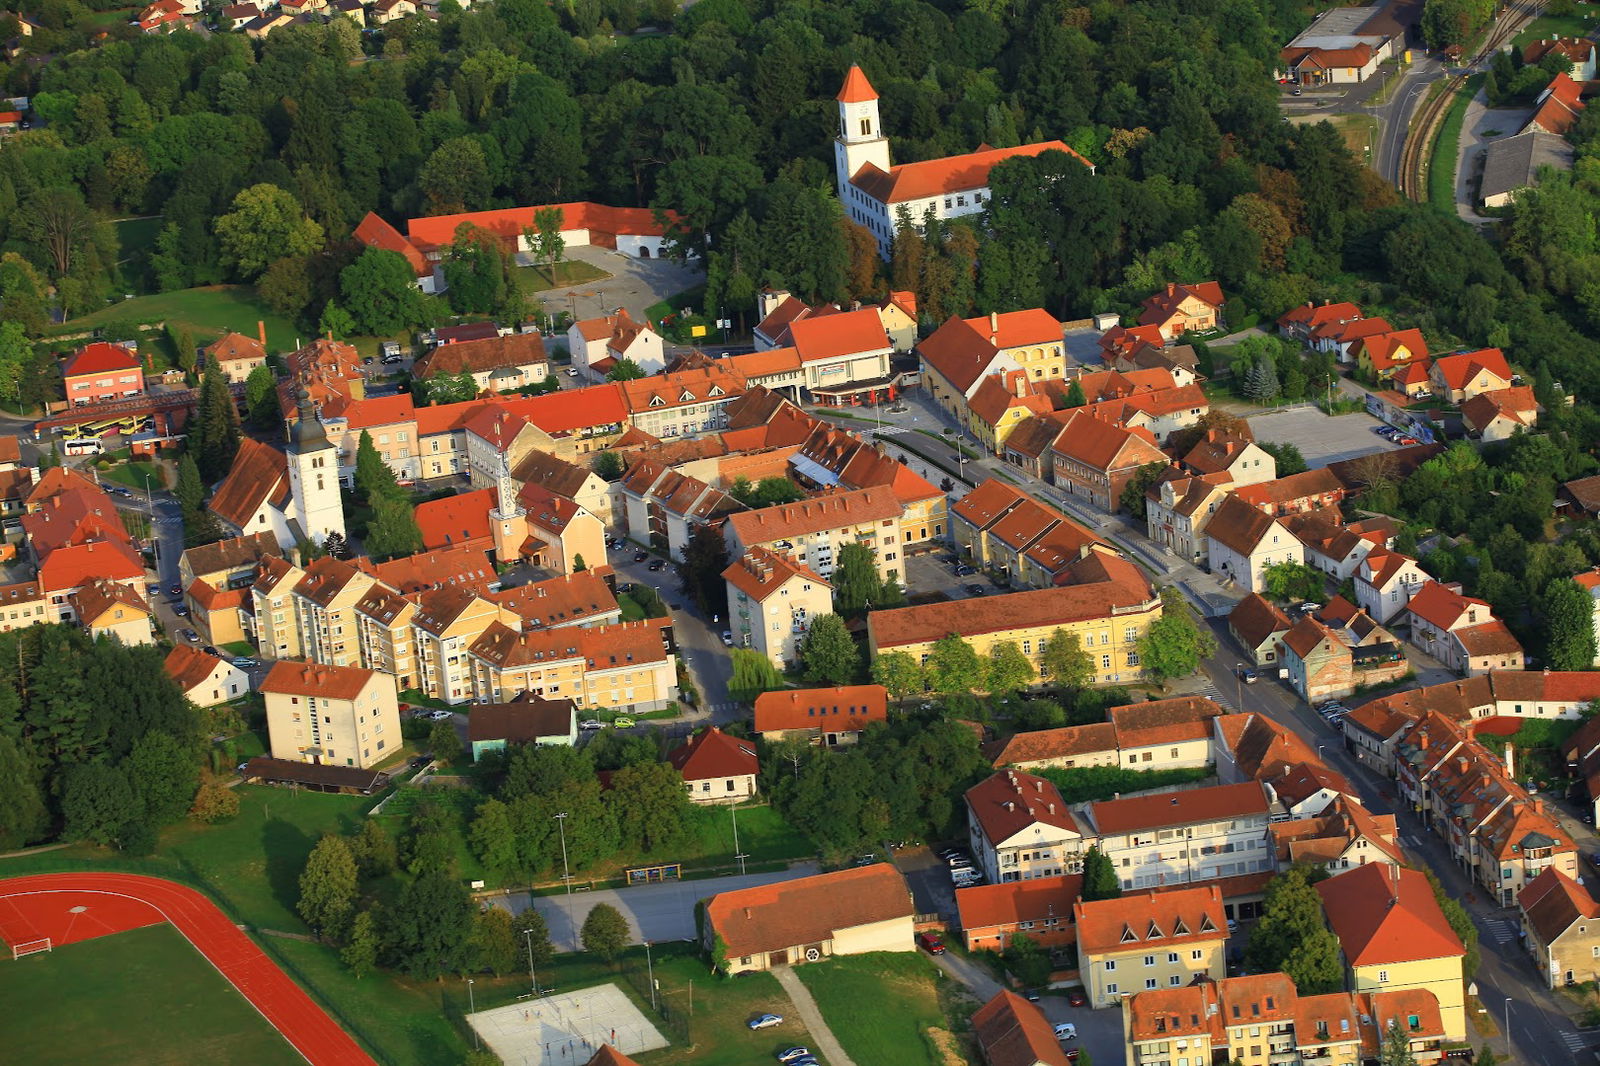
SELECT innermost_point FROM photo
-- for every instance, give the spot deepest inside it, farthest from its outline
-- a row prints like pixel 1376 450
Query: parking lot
pixel 1321 439
pixel 933 572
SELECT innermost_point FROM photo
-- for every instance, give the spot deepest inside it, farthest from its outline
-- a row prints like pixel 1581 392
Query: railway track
pixel 1414 157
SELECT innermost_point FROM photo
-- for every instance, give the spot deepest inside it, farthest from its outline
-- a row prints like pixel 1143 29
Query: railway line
pixel 1414 157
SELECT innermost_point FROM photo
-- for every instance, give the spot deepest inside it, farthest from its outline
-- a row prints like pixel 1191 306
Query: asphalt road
pixel 655 912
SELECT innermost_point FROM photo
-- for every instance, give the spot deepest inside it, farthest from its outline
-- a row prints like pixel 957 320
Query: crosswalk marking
pixel 1574 1041
pixel 1502 932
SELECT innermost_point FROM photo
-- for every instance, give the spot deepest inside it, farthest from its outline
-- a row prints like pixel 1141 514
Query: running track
pixel 79 906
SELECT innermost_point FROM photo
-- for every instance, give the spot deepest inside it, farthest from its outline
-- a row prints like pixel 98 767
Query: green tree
pixel 374 849
pixel 261 399
pixel 16 357
pixel 1133 499
pixel 213 434
pixel 1008 670
pixel 891 595
pixel 1292 937
pixel 494 942
pixel 829 652
pixel 650 804
pixel 164 775
pixel 855 581
pixel 24 817
pixel 954 668
pixel 1396 1049
pixel 191 493
pixel 1027 960
pixel 545 239
pixel 752 674
pixel 493 839
pixel 1287 457
pixel 1075 396
pixel 899 672
pixel 266 223
pixel 1292 582
pixel 96 802
pixel 605 932
pixel 625 370
pixel 705 557
pixel 379 290
pixel 1175 644
pixel 608 465
pixel 393 532
pixel 373 477
pixel 445 742
pixel 361 953
pixel 430 926
pixel 328 888
pixel 533 937
pixel 1568 616
pixel 1100 880
pixel 214 802
pixel 1485 1057
pixel 1064 662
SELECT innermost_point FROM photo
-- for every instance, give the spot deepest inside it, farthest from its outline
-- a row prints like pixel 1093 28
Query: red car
pixel 930 943
pixel 1076 998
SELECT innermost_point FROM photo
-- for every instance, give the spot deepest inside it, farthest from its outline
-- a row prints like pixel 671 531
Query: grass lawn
pixel 136 238
pixel 1359 132
pixel 133 475
pixel 95 20
pixel 694 297
pixel 882 1006
pixel 239 647
pixel 571 272
pixel 721 1007
pixel 209 312
pixel 1446 147
pixel 1578 24
pixel 142 996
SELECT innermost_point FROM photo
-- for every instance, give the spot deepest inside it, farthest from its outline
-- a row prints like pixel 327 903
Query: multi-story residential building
pixel 1301 322
pixel 448 623
pixel 1341 837
pixel 1002 528
pixel 683 403
pixel 1458 378
pixel 108 608
pixel 1172 734
pixel 772 601
pixel 23 604
pixel 227 563
pixel 206 680
pixel 1019 828
pixel 1094 744
pixel 813 531
pixel 630 666
pixel 1561 928
pixel 1148 941
pixel 1309 491
pixel 836 459
pixel 1320 665
pixel 1395 939
pixel 1242 459
pixel 844 357
pixel 1242 542
pixel 1180 837
pixel 340 715
pixel 1385 582
pixel 573 481
pixel 662 506
pixel 98 372
pixel 1109 609
pixel 1460 631
pixel 276 627
pixel 1095 458
pixel 1178 508
pixel 324 603
pixel 496 364
pixel 959 356
pixel 1039 908
pixel 236 355
pixel 1337 548
pixel 384 623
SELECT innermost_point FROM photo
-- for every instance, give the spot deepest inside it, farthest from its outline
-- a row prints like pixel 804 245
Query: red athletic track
pixel 42 906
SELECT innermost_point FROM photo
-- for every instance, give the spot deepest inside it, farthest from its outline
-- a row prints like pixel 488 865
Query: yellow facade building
pixel 1148 941
pixel 337 715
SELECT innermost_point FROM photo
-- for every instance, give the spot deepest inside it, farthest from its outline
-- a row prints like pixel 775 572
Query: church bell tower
pixel 861 140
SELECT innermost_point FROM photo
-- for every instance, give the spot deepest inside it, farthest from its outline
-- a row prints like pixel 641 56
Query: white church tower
pixel 861 140
pixel 314 500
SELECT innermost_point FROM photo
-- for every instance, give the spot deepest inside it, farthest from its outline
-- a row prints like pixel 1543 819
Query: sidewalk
pixel 806 1007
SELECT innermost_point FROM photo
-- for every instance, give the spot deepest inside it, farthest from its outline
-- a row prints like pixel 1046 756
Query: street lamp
pixel 566 875
pixel 650 970
pixel 733 809
pixel 527 935
pixel 1238 679
pixel 472 1008
pixel 155 538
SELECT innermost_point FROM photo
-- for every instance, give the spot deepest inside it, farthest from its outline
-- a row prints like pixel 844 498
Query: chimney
pixel 1022 385
pixel 1461 763
pixel 994 324
pixel 747 913
pixel 1510 759
pixel 1172 289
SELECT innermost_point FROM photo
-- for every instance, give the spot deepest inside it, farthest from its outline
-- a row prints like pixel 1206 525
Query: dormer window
pixel 1154 932
pixel 656 401
pixel 1128 936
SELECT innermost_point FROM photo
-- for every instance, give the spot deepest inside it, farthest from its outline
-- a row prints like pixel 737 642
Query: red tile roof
pixel 73 566
pixel 508 224
pixel 233 347
pixel 457 520
pixel 190 666
pixel 1010 902
pixel 1103 446
pixel 1007 802
pixel 1136 920
pixel 853 508
pixel 1459 369
pixel 1013 1032
pixel 847 708
pixel 313 679
pixel 760 572
pixel 1161 306
pixel 808 910
pixel 1256 618
pixel 458 565
pixel 100 358
pixel 713 754
pixel 1553 902
pixel 1187 807
pixel 1172 721
pixel 1445 609
pixel 1041 745
pixel 834 336
pixel 957 173
pixel 482 356
pixel 856 88
pixel 376 233
pixel 260 475
pixel 1559 106
pixel 100 595
pixel 1384 915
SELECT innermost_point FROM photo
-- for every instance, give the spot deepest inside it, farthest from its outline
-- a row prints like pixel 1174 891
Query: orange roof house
pixel 1384 914
pixel 866 908
pixel 1013 1032
pixel 1464 375
pixel 716 768
pixel 374 232
pixel 1182 308
pixel 1558 106
pixel 1039 908
pixel 818 713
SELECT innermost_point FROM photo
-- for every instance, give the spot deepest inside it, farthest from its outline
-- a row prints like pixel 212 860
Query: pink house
pixel 102 371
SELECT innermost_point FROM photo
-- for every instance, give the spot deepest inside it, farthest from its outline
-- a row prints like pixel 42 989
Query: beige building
pixel 339 715
pixel 813 531
pixel 1172 734
pixel 829 717
pixel 23 605
pixel 847 912
pixel 445 628
pixel 236 355
pixel 716 767
pixel 626 667
pixel 1109 611
pixel 1561 927
pixel 772 601
pixel 205 679
pixel 388 643
pixel 1178 508
pixel 1180 837
pixel 277 629
pixel 325 611
pixel 1242 542
pixel 1019 828
pixel 107 608
pixel 1148 941
pixel 961 353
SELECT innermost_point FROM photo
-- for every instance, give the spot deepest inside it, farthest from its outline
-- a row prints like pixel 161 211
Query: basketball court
pixel 566 1030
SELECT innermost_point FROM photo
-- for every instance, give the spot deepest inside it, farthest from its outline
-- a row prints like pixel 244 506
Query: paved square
pixel 566 1030
pixel 1322 440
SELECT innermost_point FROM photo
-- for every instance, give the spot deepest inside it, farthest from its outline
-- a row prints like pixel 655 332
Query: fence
pixel 674 1017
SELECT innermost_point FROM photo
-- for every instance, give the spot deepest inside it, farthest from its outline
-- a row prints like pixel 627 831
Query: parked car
pixel 1072 1053
pixel 439 715
pixel 930 943
pixel 965 571
pixel 622 721
pixel 765 1021
pixel 1031 995
pixel 190 635
pixel 1067 1031
pixel 175 590
pixel 657 564
pixel 727 638
pixel 1233 926
pixel 589 725
pixel 1407 442
pixel 1249 676
pixel 947 853
pixel 244 662
pixel 181 611
pixel 1076 997
pixel 791 1054
pixel 640 557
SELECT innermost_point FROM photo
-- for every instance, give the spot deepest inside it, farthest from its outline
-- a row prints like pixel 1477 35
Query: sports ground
pixel 161 975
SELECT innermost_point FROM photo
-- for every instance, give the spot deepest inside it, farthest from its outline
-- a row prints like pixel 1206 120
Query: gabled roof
pixel 848 333
pixel 1443 608
pixel 985 504
pixel 460 519
pixel 951 174
pixel 1170 721
pixel 855 507
pixel 259 476
pixel 1382 566
pixel 560 601
pixel 760 572
pixel 682 388
pixel 1216 451
pixel 1006 803
pixel 1142 920
pixel 713 754
pixel 100 595
pixel 524 721
pixel 314 679
pixel 1310 315
pixel 1554 902
pixel 459 565
pixel 1307 635
pixel 1559 105
pixel 1239 526
pixel 482 356
pixel 508 224
pixel 1013 1032
pixel 1516 404
pixel 191 667
pixel 1458 370
pixel 1101 445
pixel 373 231
pixel 1256 619
pixel 847 708
pixel 1386 915
pixel 1044 744
pixel 807 910
pixel 1163 305
pixel 73 566
pixel 100 358
pixel 1488 638
pixel 1383 350
pixel 1307 487
pixel 1133 813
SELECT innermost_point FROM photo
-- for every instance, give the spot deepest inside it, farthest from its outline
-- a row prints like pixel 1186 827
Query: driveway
pixel 1480 127
pixel 1321 439
pixel 654 912
pixel 634 284
pixel 816 1025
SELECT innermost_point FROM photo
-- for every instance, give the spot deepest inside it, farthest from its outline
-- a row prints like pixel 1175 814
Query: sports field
pixel 141 996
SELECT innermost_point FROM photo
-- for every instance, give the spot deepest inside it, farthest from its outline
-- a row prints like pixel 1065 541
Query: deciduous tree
pixel 855 581
pixel 1008 670
pixel 494 942
pixel 328 888
pixel 829 652
pixel 266 223
pixel 954 667
pixel 1569 620
pixel 1064 662
pixel 1174 644
pixel 705 557
pixel 752 674
pixel 379 291
pixel 1292 582
pixel 1100 880
pixel 429 928
pixel 650 804
pixel 899 672
pixel 605 932
pixel 361 953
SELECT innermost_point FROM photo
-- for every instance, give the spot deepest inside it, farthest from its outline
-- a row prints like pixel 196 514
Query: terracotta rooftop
pixel 559 601
pixel 1256 619
pixel 190 666
pixel 1138 919
pixel 808 910
pixel 1013 1032
pixel 845 708
pixel 259 475
pixel 1188 807
pixel 1239 526
pixel 1035 899
pixel 1042 745
pixel 713 754
pixel 462 519
pixel 1057 606
pixel 1172 721
pixel 99 596
pixel 957 173
pixel 1007 802
pixel 1384 915
pixel 313 679
pixel 482 356
pixel 852 508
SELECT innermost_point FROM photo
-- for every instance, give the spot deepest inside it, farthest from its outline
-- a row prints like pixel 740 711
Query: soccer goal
pixel 29 947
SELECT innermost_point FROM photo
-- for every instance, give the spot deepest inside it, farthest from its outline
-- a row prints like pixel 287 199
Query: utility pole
pixel 527 935
pixel 733 809
pixel 566 876
pixel 472 1008
pixel 650 970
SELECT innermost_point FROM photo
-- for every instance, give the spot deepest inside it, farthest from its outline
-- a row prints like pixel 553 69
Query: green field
pixel 1447 146
pixel 571 272
pixel 722 1005
pixel 882 1006
pixel 1579 24
pixel 209 312
pixel 143 996
pixel 133 475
